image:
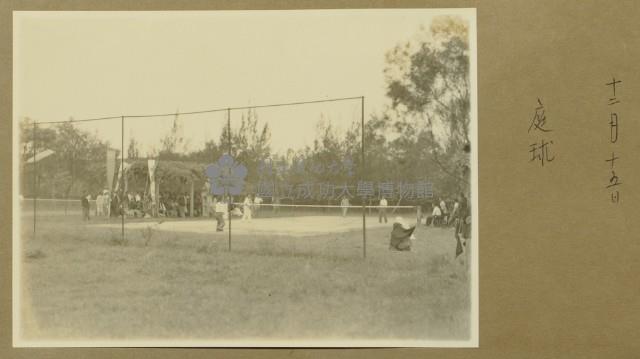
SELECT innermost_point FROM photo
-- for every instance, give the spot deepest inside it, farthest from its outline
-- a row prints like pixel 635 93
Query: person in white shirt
pixel 86 205
pixel 257 201
pixel 435 217
pixel 99 205
pixel 276 204
pixel 207 203
pixel 456 208
pixel 106 203
pixel 246 208
pixel 162 207
pixel 221 209
pixel 382 210
pixel 445 212
pixel 345 206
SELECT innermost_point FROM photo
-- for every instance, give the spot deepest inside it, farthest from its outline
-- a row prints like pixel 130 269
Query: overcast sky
pixel 99 64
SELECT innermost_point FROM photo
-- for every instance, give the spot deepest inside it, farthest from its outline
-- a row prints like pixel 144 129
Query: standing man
pixel 187 205
pixel 182 205
pixel 162 208
pixel 127 204
pixel 114 204
pixel 459 215
pixel 85 206
pixel 106 203
pixel 221 209
pixel 445 212
pixel 345 205
pixel 382 210
pixel 257 201
pixel 276 203
pixel 435 216
pixel 99 204
pixel 246 208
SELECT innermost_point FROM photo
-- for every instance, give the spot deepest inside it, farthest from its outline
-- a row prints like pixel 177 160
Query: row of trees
pixel 422 135
pixel 77 165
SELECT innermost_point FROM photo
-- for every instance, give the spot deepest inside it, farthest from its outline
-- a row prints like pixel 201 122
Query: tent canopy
pixel 171 175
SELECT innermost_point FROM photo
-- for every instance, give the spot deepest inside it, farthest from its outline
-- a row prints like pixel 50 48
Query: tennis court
pixel 291 224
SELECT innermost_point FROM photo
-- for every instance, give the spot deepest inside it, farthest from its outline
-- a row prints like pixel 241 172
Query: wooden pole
pixel 35 180
pixel 157 189
pixel 362 175
pixel 122 172
pixel 228 196
pixel 191 202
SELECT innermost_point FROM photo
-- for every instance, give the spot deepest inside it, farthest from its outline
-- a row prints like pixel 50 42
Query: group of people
pixel 175 204
pixel 441 216
pixel 115 204
pixel 459 217
pixel 169 204
pixel 250 206
pixel 382 208
pixel 136 205
pixel 104 205
pixel 179 205
pixel 221 208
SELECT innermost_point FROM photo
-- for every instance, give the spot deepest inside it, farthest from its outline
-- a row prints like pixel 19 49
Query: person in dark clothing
pixel 118 205
pixel 197 206
pixel 114 204
pixel 460 215
pixel 401 235
pixel 85 207
pixel 435 217
pixel 182 205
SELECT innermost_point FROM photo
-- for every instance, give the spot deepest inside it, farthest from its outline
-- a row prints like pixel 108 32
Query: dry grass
pixel 85 282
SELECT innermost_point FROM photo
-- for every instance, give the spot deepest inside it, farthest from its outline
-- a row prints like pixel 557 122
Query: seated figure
pixel 401 235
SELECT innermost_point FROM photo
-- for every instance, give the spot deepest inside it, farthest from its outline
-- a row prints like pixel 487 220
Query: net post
pixel 122 172
pixel 364 210
pixel 35 179
pixel 228 195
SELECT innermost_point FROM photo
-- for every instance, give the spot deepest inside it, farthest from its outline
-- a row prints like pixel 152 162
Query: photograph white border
pixel 473 342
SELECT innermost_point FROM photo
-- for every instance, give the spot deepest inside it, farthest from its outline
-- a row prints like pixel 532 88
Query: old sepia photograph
pixel 289 178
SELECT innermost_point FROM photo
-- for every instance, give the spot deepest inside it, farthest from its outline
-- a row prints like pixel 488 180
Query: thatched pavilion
pixel 169 177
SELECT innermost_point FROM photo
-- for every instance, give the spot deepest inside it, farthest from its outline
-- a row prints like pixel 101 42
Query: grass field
pixel 81 281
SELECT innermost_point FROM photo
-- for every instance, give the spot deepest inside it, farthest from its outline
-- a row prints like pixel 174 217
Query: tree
pixel 250 144
pixel 428 84
pixel 173 145
pixel 82 156
pixel 77 163
pixel 328 153
pixel 209 154
pixel 45 138
pixel 132 150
